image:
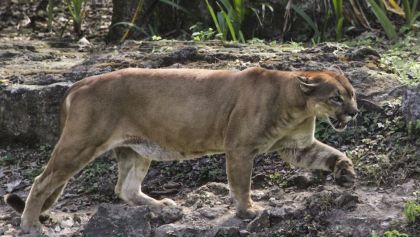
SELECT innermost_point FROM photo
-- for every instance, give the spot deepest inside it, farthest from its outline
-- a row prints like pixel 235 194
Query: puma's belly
pixel 156 152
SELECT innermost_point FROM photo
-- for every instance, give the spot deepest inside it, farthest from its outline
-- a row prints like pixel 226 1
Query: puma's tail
pixel 15 202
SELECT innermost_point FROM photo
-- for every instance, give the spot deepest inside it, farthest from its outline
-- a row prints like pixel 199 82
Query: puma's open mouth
pixel 336 124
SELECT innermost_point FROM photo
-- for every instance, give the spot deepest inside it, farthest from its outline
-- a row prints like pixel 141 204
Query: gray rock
pixel 411 105
pixel 179 230
pixel 262 221
pixel 212 212
pixel 29 113
pixel 119 220
pixel 228 232
pixel 346 201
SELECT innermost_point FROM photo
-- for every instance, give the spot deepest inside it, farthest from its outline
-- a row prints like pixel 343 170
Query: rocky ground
pixel 34 75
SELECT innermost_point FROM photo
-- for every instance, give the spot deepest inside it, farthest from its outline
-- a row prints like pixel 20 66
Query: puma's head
pixel 331 96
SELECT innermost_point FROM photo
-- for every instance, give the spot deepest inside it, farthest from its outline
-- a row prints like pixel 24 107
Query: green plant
pixel 373 234
pixel 8 159
pixel 339 18
pixel 228 19
pixel 202 34
pixel 77 11
pixel 394 233
pixel 412 212
pixel 319 34
pixel 156 38
pixel 387 25
pixel 50 8
pixel 410 12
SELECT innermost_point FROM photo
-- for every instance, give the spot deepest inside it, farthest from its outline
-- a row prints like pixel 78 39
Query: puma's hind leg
pixel 66 160
pixel 132 168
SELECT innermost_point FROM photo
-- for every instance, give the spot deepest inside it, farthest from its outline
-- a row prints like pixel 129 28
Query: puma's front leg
pixel 239 169
pixel 321 156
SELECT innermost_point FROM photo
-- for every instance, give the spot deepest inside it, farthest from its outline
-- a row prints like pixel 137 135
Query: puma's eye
pixel 336 99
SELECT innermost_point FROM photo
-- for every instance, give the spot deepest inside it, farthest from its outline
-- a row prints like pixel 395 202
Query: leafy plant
pixel 410 12
pixel 77 11
pixel 202 34
pixel 319 34
pixel 387 25
pixel 411 212
pixel 339 18
pixel 50 8
pixel 228 19
pixel 8 159
pixel 394 233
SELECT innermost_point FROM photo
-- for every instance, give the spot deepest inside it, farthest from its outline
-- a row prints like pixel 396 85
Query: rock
pixel 29 113
pixel 216 188
pixel 301 181
pixel 170 214
pixel 262 221
pixel 411 105
pixel 67 223
pixel 361 53
pixel 212 212
pixel 228 232
pixel 346 201
pixel 119 220
pixel 179 230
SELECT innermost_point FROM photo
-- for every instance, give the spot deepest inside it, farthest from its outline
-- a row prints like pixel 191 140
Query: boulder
pixel 119 220
pixel 411 105
pixel 29 113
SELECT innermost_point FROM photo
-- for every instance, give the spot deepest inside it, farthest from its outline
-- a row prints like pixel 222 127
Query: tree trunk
pixel 156 17
pixel 123 11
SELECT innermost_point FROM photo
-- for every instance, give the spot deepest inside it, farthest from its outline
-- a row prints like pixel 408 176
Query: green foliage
pixel 98 168
pixel 77 11
pixel 156 38
pixel 411 12
pixel 276 177
pixel 412 212
pixel 319 33
pixel 394 233
pixel 373 234
pixel 32 173
pixel 228 19
pixel 309 21
pixel 339 18
pixel 8 159
pixel 50 8
pixel 397 59
pixel 387 25
pixel 202 35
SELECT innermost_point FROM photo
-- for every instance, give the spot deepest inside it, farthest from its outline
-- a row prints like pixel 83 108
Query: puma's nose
pixel 353 113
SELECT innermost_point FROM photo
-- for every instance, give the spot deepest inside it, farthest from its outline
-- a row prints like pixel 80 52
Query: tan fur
pixel 176 114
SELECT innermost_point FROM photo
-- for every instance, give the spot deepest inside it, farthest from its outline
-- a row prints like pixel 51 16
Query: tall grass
pixel 410 12
pixel 228 20
pixel 387 25
pixel 339 18
pixel 312 23
pixel 50 8
pixel 77 11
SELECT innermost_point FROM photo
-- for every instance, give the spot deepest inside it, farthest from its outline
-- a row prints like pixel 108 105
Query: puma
pixel 179 114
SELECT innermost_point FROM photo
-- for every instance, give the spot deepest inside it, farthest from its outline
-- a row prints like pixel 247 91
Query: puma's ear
pixel 306 85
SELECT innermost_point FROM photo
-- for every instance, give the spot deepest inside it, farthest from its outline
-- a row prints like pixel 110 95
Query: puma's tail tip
pixel 15 202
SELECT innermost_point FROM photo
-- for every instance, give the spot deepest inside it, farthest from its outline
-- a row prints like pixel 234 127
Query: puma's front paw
pixel 344 173
pixel 167 202
pixel 249 213
pixel 34 228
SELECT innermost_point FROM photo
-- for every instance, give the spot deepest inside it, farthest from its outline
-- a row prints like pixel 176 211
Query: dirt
pixel 296 202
